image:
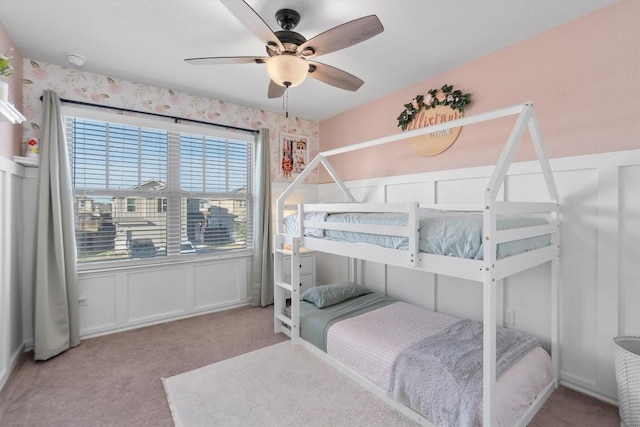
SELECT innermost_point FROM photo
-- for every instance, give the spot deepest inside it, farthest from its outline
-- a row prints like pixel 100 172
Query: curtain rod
pixel 174 118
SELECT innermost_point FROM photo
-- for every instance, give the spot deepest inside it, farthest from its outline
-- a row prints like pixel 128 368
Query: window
pixel 162 205
pixel 145 189
pixel 131 204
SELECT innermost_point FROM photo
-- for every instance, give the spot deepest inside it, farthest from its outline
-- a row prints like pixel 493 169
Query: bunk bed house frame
pixel 487 271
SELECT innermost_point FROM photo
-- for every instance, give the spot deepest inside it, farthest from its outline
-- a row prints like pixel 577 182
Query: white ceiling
pixel 146 41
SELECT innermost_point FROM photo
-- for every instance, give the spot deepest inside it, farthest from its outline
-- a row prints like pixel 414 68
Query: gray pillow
pixel 327 295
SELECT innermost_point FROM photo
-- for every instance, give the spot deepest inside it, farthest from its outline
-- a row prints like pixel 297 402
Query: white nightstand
pixel 307 269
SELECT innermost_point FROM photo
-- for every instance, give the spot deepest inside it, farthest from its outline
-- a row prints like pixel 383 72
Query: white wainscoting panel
pixel 5 283
pixel 338 271
pixel 27 251
pixel 600 256
pixel 156 293
pixel 578 275
pixel 217 284
pixel 97 303
pixel 469 190
pixel 528 295
pixel 119 299
pixel 11 310
pixel 374 275
pixel 629 250
pixel 397 193
pixel 411 285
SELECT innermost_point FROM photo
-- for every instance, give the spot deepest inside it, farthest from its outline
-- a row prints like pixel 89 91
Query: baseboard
pixel 28 345
pixel 111 330
pixel 588 392
pixel 15 358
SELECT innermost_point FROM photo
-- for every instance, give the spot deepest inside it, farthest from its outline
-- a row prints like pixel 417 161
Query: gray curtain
pixel 56 326
pixel 262 274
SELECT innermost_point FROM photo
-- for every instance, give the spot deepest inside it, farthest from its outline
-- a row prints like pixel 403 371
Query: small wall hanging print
pixel 437 106
pixel 294 150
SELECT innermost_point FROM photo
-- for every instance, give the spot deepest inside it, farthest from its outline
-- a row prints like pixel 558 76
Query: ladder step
pixel 285 285
pixel 284 319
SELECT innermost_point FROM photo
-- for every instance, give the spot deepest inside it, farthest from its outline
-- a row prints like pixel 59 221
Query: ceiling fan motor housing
pixel 289 39
pixel 288 19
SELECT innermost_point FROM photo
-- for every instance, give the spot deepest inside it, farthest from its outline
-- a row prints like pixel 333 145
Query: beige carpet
pixel 114 380
pixel 274 386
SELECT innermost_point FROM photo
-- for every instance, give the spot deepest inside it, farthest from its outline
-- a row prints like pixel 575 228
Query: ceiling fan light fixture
pixel 287 70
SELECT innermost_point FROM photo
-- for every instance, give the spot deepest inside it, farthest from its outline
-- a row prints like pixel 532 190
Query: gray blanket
pixel 440 376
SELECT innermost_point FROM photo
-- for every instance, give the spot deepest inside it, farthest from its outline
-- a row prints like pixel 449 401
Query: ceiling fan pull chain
pixel 285 101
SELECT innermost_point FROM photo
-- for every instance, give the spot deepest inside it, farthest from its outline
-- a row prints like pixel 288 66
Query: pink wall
pixel 583 79
pixel 10 134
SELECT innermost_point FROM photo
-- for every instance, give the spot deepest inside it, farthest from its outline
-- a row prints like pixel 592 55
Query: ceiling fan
pixel 291 55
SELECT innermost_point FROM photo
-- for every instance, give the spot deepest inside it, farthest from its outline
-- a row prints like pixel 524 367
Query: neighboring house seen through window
pixel 146 189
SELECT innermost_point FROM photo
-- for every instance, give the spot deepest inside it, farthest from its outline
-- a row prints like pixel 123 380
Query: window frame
pixel 171 125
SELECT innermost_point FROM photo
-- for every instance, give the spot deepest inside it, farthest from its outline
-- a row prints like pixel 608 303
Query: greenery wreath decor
pixel 5 66
pixel 454 99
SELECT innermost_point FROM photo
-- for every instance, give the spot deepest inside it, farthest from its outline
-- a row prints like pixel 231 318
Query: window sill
pixel 112 266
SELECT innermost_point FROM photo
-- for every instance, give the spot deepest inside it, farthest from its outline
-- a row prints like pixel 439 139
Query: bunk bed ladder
pixel 287 324
pixel 280 320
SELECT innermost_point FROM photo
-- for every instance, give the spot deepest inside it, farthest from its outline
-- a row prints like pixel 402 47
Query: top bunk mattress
pixel 456 234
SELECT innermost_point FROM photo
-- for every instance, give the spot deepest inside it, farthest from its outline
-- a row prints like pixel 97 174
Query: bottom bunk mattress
pixel 429 361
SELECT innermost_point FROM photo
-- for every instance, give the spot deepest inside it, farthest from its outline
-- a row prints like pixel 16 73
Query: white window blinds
pixel 143 193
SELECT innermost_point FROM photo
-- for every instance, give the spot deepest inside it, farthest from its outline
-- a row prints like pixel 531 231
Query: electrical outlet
pixel 510 317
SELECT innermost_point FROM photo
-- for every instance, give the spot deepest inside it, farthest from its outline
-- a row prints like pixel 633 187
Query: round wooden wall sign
pixel 434 143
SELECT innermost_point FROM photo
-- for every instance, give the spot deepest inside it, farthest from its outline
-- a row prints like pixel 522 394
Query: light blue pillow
pixel 327 295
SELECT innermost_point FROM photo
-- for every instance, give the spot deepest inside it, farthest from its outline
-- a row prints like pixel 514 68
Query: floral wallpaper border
pixel 83 86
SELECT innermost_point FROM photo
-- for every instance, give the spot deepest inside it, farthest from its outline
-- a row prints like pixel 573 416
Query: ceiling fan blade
pixel 343 36
pixel 334 76
pixel 275 90
pixel 221 60
pixel 250 19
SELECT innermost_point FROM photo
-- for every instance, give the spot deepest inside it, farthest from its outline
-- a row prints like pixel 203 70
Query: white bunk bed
pixel 487 271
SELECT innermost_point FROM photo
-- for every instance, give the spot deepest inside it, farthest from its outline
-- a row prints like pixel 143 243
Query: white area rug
pixel 280 385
